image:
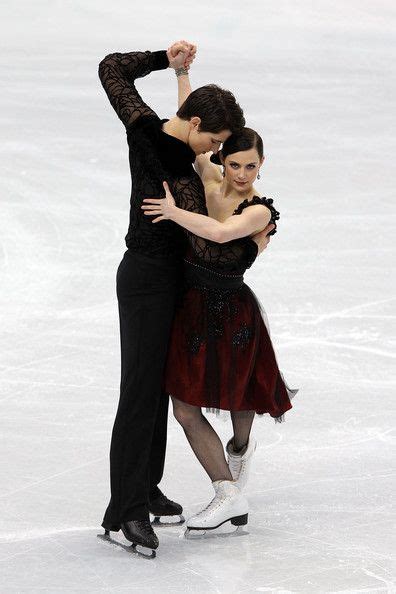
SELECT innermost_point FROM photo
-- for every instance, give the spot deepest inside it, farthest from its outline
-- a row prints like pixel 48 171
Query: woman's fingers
pixel 151 208
pixel 152 213
pixel 159 206
pixel 153 200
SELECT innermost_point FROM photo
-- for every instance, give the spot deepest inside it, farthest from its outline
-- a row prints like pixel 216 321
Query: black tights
pixel 204 440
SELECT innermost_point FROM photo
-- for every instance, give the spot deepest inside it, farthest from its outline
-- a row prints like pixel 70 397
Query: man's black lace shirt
pixel 154 157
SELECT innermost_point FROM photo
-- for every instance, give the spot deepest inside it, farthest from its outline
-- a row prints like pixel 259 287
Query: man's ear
pixel 195 122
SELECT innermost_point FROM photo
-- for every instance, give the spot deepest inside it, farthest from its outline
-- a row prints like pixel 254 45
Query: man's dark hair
pixel 243 140
pixel 216 107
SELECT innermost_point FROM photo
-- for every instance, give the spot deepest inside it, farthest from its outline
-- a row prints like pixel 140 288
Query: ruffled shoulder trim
pixel 257 200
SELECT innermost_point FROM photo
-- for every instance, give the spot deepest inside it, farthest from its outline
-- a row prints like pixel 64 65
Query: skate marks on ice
pixel 349 312
pixel 362 328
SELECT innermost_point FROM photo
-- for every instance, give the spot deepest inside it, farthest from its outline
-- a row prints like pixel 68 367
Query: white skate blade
pixel 226 530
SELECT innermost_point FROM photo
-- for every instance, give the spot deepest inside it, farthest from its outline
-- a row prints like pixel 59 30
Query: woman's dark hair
pixel 244 140
pixel 216 107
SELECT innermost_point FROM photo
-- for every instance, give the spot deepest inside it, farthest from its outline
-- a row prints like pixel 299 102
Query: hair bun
pixel 215 158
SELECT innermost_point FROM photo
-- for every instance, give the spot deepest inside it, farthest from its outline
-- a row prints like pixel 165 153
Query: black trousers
pixel 146 292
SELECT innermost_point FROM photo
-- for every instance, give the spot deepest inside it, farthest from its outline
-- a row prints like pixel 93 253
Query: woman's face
pixel 241 169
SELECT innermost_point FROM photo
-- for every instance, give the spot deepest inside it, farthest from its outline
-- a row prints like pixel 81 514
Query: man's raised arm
pixel 118 72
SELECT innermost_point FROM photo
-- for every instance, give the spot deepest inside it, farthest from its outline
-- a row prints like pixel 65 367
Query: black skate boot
pixel 139 533
pixel 162 506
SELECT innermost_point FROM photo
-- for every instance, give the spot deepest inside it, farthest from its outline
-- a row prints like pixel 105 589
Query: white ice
pixel 317 79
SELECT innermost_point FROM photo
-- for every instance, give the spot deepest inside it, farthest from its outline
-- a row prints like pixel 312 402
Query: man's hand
pixel 262 239
pixel 181 54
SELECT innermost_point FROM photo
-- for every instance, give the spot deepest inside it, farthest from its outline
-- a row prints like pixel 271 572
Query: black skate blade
pixel 219 532
pixel 168 521
pixel 132 548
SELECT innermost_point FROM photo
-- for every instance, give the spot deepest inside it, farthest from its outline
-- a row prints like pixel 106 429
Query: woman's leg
pixel 242 423
pixel 203 439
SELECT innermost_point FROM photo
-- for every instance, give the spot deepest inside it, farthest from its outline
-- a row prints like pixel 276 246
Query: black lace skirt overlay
pixel 220 355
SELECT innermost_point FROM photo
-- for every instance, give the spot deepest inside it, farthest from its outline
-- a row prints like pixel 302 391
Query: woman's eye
pixel 234 165
pixel 251 166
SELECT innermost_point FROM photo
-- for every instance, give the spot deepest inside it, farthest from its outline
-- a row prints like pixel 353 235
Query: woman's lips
pixel 240 183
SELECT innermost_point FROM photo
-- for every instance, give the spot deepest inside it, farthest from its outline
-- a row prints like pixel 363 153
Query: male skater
pixel 150 271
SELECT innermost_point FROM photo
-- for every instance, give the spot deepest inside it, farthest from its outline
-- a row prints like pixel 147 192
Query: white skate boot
pixel 239 463
pixel 228 505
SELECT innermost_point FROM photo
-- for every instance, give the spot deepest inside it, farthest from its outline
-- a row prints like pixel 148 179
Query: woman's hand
pixel 263 238
pixel 164 207
pixel 181 54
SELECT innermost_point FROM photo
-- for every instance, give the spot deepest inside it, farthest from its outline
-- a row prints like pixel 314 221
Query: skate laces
pixel 146 527
pixel 214 504
pixel 237 466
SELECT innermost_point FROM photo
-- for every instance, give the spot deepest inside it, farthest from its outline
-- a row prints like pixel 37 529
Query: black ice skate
pixel 139 533
pixel 161 506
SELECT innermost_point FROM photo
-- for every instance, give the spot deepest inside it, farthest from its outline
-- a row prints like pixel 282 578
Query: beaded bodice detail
pixel 222 294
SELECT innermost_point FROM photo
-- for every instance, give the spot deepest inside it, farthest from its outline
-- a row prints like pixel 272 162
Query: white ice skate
pixel 239 463
pixel 228 505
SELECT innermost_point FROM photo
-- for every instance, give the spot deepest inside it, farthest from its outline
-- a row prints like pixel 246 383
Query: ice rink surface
pixel 317 80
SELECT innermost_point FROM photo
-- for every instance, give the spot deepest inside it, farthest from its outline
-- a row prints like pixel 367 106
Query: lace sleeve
pixel 117 73
pixel 234 255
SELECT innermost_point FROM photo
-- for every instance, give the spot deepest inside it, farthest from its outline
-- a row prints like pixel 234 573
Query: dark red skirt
pixel 220 354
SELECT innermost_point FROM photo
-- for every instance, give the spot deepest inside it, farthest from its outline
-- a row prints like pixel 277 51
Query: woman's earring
pixel 223 171
pixel 258 175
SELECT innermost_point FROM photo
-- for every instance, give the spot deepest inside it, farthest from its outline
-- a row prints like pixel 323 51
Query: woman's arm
pixel 183 85
pixel 252 220
pixel 206 170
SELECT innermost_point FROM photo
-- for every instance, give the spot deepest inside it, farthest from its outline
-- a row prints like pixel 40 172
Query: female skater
pixel 220 355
